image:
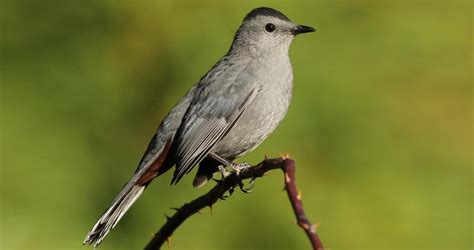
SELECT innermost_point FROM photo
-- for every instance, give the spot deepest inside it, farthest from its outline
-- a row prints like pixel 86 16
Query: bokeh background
pixel 381 123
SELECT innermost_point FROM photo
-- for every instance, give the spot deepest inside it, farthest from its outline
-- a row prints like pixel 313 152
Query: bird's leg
pixel 220 159
pixel 237 167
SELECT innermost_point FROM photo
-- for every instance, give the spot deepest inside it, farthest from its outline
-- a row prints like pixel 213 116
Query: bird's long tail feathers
pixel 114 213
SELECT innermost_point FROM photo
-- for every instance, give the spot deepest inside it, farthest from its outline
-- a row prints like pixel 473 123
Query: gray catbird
pixel 228 113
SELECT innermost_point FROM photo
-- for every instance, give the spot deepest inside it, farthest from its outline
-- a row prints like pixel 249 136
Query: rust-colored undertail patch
pixel 154 168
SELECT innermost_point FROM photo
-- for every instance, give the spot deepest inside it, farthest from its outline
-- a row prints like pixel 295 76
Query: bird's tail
pixel 114 213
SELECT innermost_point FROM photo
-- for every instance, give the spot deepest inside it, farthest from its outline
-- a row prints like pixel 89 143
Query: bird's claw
pixel 249 189
pixel 225 196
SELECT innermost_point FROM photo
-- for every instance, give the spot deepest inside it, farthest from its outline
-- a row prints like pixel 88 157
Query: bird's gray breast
pixel 273 78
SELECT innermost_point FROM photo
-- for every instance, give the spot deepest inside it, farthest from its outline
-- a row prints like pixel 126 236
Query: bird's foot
pixel 223 171
pixel 224 174
pixel 237 167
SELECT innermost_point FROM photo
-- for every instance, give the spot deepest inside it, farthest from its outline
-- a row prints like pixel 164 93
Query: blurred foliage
pixel 381 124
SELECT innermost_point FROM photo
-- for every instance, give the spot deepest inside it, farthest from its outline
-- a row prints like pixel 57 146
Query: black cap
pixel 265 11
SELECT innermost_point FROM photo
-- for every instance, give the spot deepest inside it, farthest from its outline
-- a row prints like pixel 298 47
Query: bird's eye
pixel 270 27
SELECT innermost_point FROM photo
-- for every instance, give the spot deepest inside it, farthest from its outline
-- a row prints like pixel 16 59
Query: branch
pixel 229 183
pixel 297 204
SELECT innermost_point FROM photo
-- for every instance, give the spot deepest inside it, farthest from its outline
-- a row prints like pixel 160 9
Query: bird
pixel 226 114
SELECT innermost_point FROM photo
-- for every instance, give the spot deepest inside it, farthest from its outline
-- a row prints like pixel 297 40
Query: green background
pixel 381 124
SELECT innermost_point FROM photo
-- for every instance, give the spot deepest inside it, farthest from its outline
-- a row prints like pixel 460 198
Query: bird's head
pixel 265 29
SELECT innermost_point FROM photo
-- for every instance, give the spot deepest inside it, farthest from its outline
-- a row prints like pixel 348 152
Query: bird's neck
pixel 245 50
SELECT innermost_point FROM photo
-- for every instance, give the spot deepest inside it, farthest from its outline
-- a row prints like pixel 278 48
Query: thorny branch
pixel 228 184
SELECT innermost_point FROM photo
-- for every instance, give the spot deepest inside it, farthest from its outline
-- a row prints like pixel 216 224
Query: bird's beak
pixel 300 29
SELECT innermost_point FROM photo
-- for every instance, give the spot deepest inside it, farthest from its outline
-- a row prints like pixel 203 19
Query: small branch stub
pixel 228 184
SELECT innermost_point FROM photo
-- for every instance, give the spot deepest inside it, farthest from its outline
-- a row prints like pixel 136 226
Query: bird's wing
pixel 206 122
pixel 153 160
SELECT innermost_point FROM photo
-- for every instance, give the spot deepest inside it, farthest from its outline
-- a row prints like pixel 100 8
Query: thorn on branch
pixel 168 241
pixel 299 195
pixel 285 156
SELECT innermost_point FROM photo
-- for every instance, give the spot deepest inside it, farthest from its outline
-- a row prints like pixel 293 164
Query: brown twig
pixel 297 204
pixel 229 183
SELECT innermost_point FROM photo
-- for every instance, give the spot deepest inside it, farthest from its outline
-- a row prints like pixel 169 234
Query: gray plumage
pixel 228 113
